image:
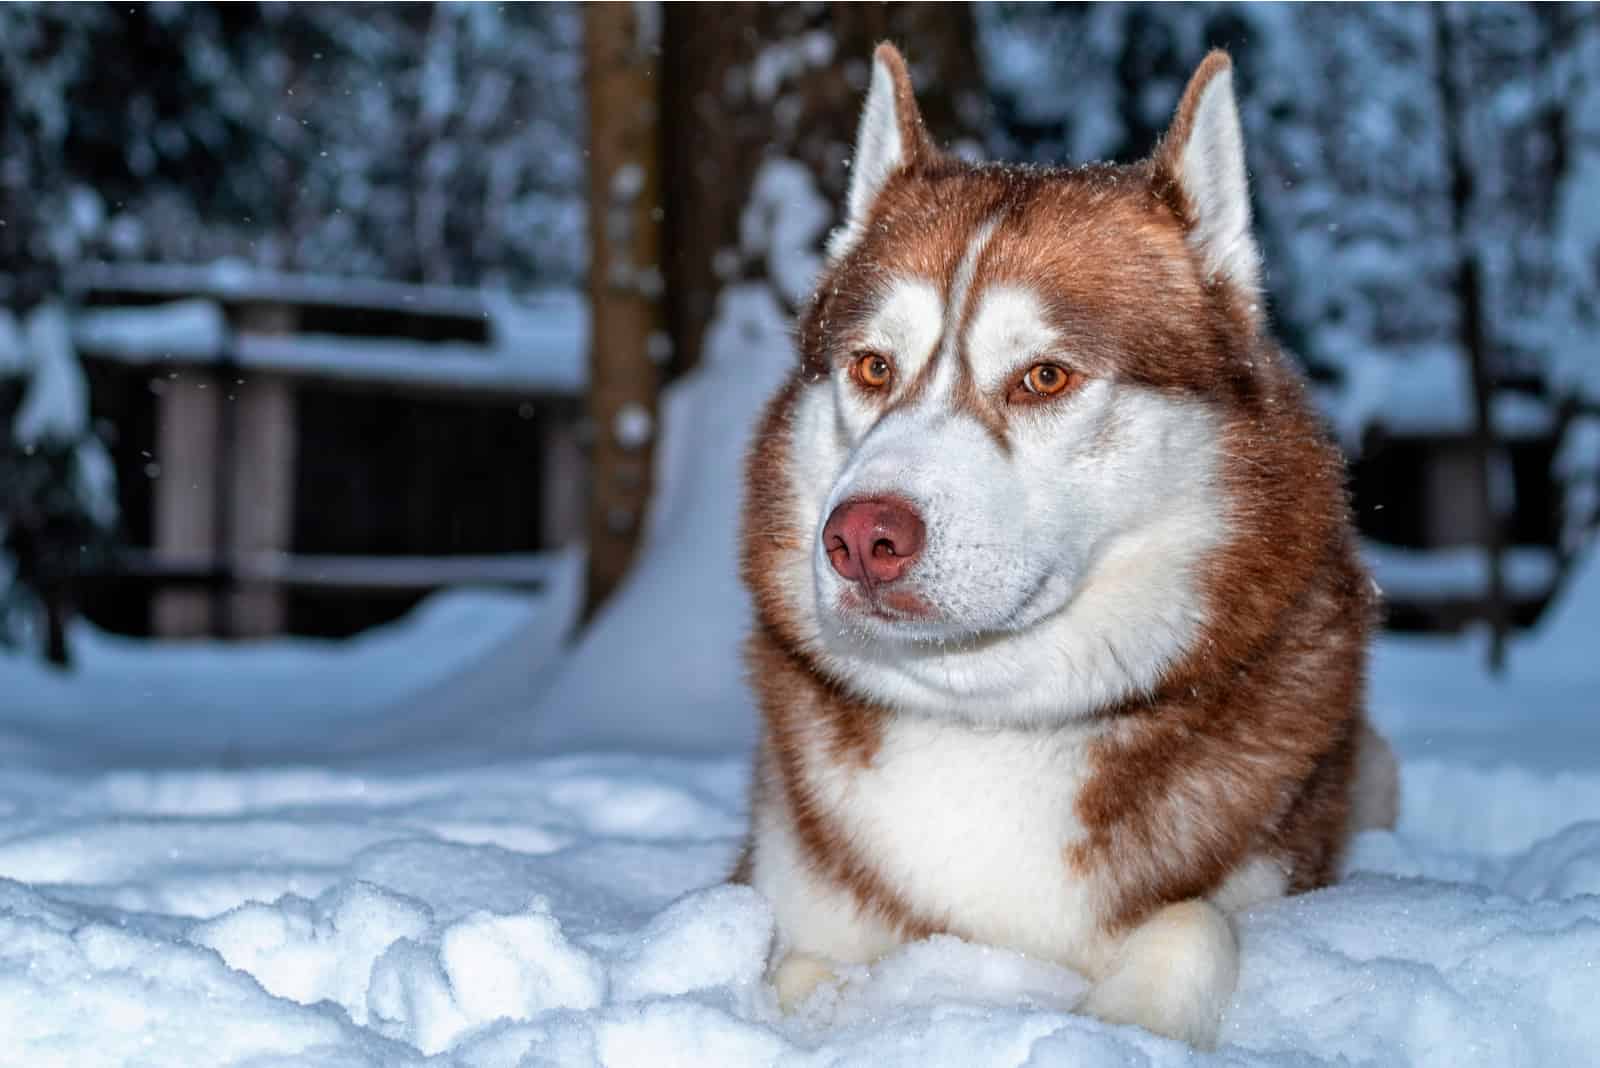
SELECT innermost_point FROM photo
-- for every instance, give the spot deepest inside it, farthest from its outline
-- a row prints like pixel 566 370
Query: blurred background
pixel 314 316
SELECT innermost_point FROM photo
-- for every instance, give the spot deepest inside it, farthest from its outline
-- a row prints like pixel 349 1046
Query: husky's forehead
pixel 1000 266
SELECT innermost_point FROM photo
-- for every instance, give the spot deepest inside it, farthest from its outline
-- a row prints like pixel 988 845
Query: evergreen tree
pixel 431 143
pixel 57 493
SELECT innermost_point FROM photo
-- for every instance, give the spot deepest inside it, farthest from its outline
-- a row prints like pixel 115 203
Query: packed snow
pixel 568 910
pixel 393 851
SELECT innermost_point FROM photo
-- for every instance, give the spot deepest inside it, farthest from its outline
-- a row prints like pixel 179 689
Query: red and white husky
pixel 1061 623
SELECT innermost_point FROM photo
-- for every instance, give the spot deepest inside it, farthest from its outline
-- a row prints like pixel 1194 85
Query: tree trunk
pixel 620 49
pixel 1474 335
pixel 747 82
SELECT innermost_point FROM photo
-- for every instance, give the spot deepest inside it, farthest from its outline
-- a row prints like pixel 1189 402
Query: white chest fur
pixel 970 828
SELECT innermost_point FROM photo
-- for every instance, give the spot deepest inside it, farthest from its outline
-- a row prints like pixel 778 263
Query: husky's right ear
pixel 890 139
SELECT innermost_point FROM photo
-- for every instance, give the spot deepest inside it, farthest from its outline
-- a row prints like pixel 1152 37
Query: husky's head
pixel 995 487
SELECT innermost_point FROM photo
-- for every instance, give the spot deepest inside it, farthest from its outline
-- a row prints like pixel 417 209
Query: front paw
pixel 797 976
pixel 1174 976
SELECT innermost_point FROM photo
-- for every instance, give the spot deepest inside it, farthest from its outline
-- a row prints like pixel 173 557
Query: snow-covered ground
pixel 566 910
pixel 442 681
pixel 370 854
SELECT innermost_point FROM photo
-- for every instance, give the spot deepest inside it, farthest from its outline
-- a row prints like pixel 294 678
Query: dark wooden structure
pixel 310 455
pixel 1463 535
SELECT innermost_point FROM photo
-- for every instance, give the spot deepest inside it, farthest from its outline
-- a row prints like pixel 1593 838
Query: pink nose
pixel 873 539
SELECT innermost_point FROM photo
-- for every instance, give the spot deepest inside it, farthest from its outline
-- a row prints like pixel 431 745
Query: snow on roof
pixel 1425 389
pixel 433 364
pixel 228 280
pixel 537 344
pixel 183 330
pixel 1460 571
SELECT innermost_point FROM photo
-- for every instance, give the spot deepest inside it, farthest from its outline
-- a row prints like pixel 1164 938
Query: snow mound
pixel 485 968
pixel 1403 971
pixel 74 990
pixel 682 609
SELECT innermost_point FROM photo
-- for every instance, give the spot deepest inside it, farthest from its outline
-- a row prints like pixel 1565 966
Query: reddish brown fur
pixel 796 699
pixel 1256 727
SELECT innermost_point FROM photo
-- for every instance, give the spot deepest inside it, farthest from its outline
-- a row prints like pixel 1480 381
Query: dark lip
pixel 874 606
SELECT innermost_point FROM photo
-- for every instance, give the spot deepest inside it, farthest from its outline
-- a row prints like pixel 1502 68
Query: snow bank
pixel 681 616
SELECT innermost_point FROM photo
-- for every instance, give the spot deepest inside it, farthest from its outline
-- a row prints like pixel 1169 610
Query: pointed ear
pixel 1200 169
pixel 890 139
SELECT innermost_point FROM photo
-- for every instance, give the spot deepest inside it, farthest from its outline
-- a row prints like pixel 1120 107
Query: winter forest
pixel 376 383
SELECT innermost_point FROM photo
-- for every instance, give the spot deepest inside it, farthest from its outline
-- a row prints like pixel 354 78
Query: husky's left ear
pixel 890 139
pixel 1199 168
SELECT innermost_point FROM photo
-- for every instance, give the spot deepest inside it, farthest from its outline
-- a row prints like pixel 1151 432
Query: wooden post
pixel 260 515
pixel 185 495
pixel 562 504
pixel 625 283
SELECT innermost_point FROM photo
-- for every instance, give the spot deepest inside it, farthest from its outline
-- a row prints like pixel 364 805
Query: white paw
pixel 1174 975
pixel 798 976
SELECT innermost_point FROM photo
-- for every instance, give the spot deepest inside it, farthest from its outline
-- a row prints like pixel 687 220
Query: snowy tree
pixel 422 143
pixel 57 487
pixel 57 491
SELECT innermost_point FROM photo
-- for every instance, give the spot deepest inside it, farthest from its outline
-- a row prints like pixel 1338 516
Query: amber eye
pixel 873 370
pixel 1048 379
